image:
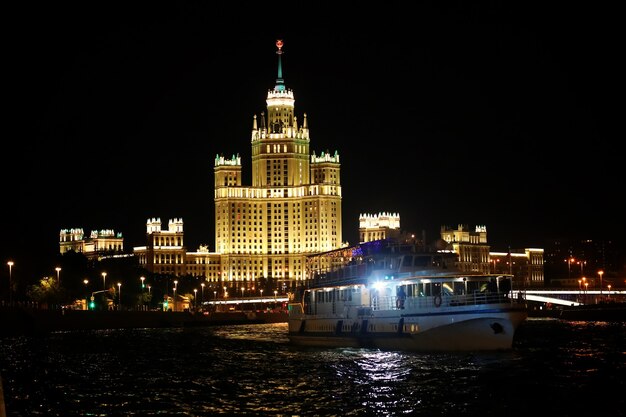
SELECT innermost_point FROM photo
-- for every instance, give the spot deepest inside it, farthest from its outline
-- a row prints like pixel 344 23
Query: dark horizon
pixel 494 115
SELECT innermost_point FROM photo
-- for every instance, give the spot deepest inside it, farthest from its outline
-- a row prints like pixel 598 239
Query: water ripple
pixel 556 368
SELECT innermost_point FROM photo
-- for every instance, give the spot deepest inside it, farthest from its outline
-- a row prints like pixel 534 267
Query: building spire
pixel 280 83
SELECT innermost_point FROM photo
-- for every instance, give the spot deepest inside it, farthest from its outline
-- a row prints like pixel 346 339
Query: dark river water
pixel 556 368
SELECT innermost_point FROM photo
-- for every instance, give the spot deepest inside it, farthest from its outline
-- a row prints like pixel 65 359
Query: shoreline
pixel 24 321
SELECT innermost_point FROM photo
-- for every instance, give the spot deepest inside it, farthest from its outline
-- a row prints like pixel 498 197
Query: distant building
pixel 474 255
pixel 100 243
pixel 525 264
pixel 165 251
pixel 378 226
pixel 470 246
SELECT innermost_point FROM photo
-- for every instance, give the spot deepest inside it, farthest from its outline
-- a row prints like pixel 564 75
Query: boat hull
pixel 492 329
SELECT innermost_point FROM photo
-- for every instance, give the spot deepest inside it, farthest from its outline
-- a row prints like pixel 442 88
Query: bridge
pixel 573 297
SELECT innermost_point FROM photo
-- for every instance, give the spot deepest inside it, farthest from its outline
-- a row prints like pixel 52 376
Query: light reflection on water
pixel 556 367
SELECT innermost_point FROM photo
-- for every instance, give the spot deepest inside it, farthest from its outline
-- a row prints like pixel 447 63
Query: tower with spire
pixel 292 208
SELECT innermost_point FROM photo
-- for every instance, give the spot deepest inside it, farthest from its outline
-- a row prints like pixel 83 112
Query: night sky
pixel 495 114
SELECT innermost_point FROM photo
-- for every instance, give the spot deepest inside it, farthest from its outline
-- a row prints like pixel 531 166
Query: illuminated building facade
pixel 266 230
pixel 378 226
pixel 291 210
pixel 100 243
pixel 527 265
pixel 474 256
pixel 165 251
pixel 470 246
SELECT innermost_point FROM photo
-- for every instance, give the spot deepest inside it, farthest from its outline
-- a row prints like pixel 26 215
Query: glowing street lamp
pixel 10 265
pixel 175 288
pixel 104 280
pixel 195 300
pixel 142 284
pixel 58 269
pixel 149 288
pixel 600 272
pixel 275 293
pixel 242 290
pixel 86 282
pixel 119 294
pixel 202 293
pixel 609 286
pixel 261 292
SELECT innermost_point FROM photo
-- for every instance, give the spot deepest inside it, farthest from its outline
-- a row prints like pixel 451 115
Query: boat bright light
pixel 379 285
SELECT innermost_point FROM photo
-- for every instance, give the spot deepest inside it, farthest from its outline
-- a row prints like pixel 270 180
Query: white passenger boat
pixel 412 301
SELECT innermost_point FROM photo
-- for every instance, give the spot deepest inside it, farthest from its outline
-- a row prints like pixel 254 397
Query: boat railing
pixel 477 298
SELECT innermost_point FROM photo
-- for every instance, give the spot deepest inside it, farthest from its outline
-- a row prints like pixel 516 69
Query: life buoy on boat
pixel 437 300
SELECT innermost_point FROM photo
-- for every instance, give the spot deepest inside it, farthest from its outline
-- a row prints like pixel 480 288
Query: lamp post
pixel 58 269
pixel 119 295
pixel 175 288
pixel 142 284
pixel 242 290
pixel 10 264
pixel 104 280
pixel 215 295
pixel 261 292
pixel 149 288
pixel 195 300
pixel 609 286
pixel 600 272
pixel 275 293
pixel 86 282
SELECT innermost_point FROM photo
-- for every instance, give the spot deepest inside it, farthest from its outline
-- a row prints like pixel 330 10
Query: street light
pixel 242 290
pixel 275 292
pixel 202 293
pixel 142 285
pixel 261 292
pixel 195 300
pixel 58 269
pixel 600 272
pixel 609 290
pixel 149 288
pixel 104 280
pixel 10 264
pixel 86 281
pixel 119 294
pixel 175 288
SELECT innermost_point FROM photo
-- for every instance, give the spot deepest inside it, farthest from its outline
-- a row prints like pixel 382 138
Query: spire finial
pixel 280 83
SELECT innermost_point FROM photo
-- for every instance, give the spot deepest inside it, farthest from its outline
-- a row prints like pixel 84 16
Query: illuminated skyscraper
pixel 293 207
pixel 263 232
